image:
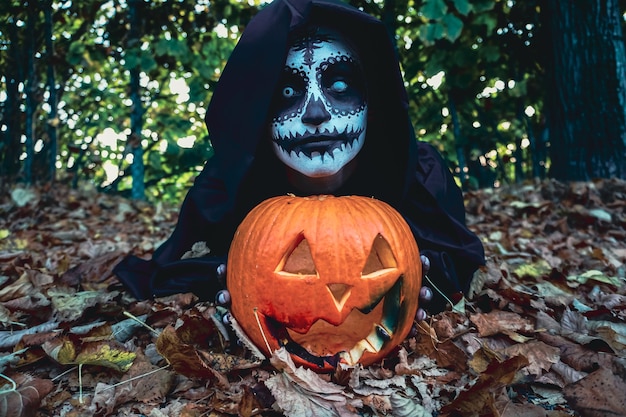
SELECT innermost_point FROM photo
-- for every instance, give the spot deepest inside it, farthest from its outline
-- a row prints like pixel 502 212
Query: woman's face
pixel 320 115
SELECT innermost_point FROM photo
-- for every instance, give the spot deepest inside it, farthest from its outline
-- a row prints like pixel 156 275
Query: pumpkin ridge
pixel 275 212
pixel 353 211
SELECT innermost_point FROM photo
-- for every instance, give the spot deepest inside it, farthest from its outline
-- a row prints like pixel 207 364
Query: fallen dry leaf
pixel 445 353
pixel 505 407
pixel 402 406
pixel 16 289
pixel 301 392
pixel 143 382
pixel 25 398
pixel 183 357
pixel 495 322
pixel 601 393
pixel 69 305
pixel 540 356
pixel 480 396
pixel 195 347
pixel 110 354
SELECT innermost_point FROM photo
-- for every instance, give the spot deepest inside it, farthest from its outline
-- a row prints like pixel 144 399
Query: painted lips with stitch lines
pixel 326 146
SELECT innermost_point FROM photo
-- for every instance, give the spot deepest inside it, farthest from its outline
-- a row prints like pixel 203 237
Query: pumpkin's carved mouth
pixel 321 345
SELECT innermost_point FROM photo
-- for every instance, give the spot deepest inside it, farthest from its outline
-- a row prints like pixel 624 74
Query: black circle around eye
pixel 289 92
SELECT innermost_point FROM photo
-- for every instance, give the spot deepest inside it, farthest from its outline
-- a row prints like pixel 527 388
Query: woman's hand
pixel 222 297
pixel 426 294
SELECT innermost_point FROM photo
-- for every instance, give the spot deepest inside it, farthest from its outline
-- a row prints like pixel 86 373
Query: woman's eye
pixel 289 92
pixel 339 86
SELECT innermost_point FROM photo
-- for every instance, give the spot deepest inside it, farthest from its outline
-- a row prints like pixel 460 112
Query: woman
pixel 312 101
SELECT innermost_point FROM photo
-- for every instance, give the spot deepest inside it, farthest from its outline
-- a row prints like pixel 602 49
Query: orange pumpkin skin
pixel 333 279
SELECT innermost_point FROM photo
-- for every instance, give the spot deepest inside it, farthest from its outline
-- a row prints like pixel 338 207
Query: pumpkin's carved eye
pixel 379 259
pixel 299 260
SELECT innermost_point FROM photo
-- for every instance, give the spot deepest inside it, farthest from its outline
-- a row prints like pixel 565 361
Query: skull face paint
pixel 320 111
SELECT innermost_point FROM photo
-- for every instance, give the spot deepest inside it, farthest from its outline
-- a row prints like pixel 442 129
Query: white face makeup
pixel 320 114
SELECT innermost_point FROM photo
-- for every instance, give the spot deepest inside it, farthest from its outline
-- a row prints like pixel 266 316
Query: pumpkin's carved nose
pixel 340 293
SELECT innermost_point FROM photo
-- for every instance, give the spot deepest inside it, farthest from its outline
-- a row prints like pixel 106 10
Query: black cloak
pixel 392 166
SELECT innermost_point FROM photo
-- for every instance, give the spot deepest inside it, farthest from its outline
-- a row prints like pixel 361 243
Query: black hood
pixel 237 118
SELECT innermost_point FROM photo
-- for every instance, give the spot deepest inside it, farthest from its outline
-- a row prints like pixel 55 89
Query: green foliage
pixel 483 57
pixel 487 52
pixel 463 6
pixel 442 24
pixel 181 50
pixel 434 9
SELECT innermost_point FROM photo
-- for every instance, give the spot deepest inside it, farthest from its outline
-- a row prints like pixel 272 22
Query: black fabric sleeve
pixel 435 211
pixel 202 218
pixel 145 280
pixel 135 273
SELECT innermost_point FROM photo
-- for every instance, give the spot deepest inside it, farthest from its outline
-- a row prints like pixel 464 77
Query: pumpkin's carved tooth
pixel 372 343
pixel 352 357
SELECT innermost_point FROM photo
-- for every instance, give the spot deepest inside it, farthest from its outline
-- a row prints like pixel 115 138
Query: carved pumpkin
pixel 332 279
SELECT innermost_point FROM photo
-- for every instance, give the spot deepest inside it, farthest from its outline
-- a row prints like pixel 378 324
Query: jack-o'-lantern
pixel 332 279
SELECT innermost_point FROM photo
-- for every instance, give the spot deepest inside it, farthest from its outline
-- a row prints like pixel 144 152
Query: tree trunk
pixel 586 100
pixel 11 116
pixel 30 89
pixel 136 116
pixel 538 154
pixel 458 142
pixel 519 152
pixel 53 120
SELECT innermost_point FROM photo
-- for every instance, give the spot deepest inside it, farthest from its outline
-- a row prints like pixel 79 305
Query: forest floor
pixel 543 332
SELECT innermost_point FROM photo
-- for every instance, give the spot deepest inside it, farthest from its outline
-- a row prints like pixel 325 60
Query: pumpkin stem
pixel 258 322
